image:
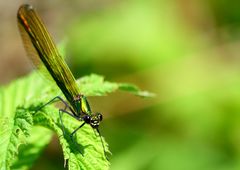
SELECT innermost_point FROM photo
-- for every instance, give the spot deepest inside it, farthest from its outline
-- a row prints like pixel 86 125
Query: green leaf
pixel 85 150
pixel 16 124
pixel 31 151
pixel 134 89
pixel 18 102
pixel 26 132
pixel 94 85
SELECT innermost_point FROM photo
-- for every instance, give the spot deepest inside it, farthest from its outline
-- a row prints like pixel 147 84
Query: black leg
pixel 60 116
pixel 61 122
pixel 54 100
pixel 71 136
pixel 70 113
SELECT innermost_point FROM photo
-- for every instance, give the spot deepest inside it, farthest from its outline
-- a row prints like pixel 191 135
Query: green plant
pixel 25 133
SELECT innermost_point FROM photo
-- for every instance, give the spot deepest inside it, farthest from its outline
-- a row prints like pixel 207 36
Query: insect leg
pixel 55 99
pixel 71 136
pixel 60 116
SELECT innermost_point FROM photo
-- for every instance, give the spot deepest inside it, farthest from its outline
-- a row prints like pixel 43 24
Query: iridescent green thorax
pixel 81 105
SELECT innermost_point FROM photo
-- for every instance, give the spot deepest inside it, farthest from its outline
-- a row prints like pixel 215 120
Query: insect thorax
pixel 81 105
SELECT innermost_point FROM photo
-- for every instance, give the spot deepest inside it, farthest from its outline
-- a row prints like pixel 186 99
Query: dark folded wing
pixel 43 52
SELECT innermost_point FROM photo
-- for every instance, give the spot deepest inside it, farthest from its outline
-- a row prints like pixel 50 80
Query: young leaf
pixel 134 89
pixel 94 85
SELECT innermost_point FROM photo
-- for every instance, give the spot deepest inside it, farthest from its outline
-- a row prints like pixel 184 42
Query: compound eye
pixel 87 119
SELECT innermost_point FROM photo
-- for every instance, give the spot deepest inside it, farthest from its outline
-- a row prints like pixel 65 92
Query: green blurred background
pixel 184 51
